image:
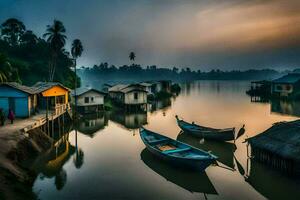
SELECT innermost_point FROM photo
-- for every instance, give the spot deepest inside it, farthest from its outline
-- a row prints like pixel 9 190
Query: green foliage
pixel 29 57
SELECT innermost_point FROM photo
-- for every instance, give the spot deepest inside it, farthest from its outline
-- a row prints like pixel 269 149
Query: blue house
pixel 21 99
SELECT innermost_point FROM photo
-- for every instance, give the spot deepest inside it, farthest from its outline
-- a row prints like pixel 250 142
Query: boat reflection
pixel 189 180
pixel 270 183
pixel 91 123
pixel 224 150
pixel 129 120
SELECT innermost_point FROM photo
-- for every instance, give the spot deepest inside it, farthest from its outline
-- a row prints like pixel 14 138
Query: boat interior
pixel 174 148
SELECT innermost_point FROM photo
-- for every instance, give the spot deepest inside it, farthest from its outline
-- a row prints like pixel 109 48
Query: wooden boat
pixel 224 150
pixel 190 180
pixel 206 132
pixel 175 152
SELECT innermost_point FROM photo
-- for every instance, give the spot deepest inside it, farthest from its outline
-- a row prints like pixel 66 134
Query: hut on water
pixel 129 96
pixel 279 147
pixel 88 100
pixel 52 95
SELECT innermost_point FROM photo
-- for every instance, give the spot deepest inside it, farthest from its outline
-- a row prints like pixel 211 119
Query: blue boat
pixel 208 133
pixel 176 153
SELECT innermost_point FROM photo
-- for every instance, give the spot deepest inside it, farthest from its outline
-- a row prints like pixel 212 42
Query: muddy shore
pixel 16 149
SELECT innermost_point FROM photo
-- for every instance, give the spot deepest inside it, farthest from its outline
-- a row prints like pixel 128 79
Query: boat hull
pixel 199 164
pixel 181 163
pixel 224 135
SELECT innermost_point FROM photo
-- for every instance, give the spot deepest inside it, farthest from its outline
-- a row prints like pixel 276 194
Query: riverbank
pixel 16 147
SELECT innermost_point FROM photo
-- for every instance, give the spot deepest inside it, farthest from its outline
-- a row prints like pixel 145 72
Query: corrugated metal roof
pixel 282 138
pixel 43 86
pixel 81 91
pixel 289 78
pixel 23 88
pixel 124 88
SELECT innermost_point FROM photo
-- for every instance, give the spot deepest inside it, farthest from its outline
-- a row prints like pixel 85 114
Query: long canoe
pixel 176 153
pixel 208 133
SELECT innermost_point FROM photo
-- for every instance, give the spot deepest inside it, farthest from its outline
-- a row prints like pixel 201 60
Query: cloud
pixel 210 33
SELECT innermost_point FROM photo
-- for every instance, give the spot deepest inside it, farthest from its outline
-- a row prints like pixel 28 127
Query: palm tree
pixel 11 30
pixel 132 56
pixel 76 52
pixel 57 40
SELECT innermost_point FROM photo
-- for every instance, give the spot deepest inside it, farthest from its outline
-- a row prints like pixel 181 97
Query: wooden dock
pixel 43 119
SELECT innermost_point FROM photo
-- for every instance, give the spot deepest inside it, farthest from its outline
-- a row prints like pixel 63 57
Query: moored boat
pixel 175 152
pixel 208 133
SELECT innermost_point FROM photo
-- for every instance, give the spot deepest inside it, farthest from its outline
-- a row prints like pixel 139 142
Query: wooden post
pixel 47 116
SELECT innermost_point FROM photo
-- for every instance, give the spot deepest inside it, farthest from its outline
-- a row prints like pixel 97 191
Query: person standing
pixel 2 117
pixel 11 116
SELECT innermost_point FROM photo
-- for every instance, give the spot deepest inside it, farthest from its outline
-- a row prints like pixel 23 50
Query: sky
pixel 200 34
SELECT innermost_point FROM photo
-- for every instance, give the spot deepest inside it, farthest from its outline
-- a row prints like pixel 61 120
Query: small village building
pixel 21 99
pixel 52 96
pixel 279 147
pixel 131 95
pixel 286 86
pixel 150 87
pixel 89 100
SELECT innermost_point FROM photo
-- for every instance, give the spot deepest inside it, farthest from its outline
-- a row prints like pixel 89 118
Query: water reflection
pixel 129 120
pixel 160 105
pixel 286 107
pixel 189 180
pixel 224 150
pixel 51 163
pixel 222 104
pixel 272 184
pixel 91 123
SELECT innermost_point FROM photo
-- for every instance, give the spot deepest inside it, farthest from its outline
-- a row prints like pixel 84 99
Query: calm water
pixel 111 161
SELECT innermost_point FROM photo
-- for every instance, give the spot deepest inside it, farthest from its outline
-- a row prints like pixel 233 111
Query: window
pixel 135 95
pixel 92 99
pixel 86 100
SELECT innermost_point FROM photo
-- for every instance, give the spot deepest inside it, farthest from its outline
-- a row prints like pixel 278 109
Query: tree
pixel 76 52
pixel 55 36
pixel 132 56
pixel 29 38
pixel 11 30
pixel 7 72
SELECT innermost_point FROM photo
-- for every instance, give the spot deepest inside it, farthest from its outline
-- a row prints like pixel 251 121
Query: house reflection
pixel 129 120
pixel 160 104
pixel 51 163
pixel 224 151
pixel 89 124
pixel 286 107
pixel 192 181
pixel 271 183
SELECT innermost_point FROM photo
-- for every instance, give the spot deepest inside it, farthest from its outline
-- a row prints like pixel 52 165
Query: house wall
pixel 57 91
pixel 142 98
pixel 17 99
pixel 98 99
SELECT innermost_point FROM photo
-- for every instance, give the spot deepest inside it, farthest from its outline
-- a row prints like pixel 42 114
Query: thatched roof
pixel 282 138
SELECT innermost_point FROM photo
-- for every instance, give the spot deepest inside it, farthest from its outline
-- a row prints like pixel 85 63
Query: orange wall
pixel 56 91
